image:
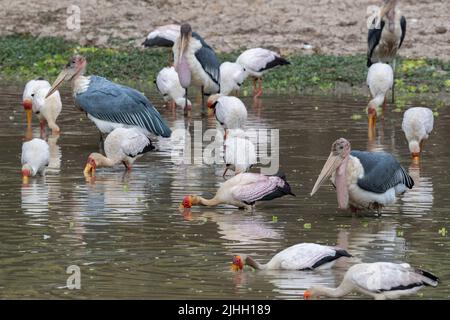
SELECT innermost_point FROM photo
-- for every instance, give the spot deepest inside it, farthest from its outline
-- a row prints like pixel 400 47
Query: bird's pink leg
pixel 254 87
pixel 42 125
pixel 260 91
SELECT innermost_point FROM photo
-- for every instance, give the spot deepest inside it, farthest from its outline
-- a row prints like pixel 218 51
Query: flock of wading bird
pixel 363 180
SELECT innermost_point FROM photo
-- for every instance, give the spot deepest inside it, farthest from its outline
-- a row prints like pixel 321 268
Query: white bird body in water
pixel 363 180
pixel 240 152
pixel 302 256
pixel 243 190
pixel 28 93
pixel 47 109
pixel 168 83
pixel 35 157
pixel 257 61
pixel 230 111
pixel 123 145
pixel 232 76
pixel 417 125
pixel 380 280
pixel 380 79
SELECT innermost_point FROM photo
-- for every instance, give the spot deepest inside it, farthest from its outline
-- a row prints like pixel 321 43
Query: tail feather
pixel 278 61
pixel 434 280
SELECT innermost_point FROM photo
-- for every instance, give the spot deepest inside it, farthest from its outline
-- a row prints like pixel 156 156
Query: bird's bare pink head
pixel 74 68
pixel 340 150
pixel 91 164
pixel 212 101
pixel 237 263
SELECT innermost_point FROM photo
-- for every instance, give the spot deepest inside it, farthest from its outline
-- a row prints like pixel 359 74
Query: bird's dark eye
pixel 32 94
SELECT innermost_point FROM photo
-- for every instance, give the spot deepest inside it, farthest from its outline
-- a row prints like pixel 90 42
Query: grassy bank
pixel 24 57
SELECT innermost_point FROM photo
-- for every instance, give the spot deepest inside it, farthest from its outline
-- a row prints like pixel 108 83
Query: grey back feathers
pixel 381 172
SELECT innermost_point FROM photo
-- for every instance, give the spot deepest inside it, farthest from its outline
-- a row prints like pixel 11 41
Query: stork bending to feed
pixel 123 145
pixel 380 280
pixel 385 39
pixel 363 180
pixel 110 105
pixel 243 190
pixel 47 109
pixel 380 79
pixel 28 93
pixel 35 158
pixel 232 76
pixel 196 63
pixel 417 125
pixel 169 86
pixel 230 112
pixel 258 61
pixel 302 256
pixel 240 152
pixel 163 36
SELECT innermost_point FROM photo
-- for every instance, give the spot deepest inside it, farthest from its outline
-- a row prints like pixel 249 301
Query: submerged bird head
pixel 189 201
pixel 74 68
pixel 237 263
pixel 414 148
pixel 92 163
pixel 308 294
pixel 340 150
pixel 27 172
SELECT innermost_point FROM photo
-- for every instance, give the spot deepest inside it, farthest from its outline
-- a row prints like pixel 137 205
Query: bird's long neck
pixel 207 202
pixel 255 264
pixel 103 161
pixel 340 291
pixel 80 84
pixel 378 100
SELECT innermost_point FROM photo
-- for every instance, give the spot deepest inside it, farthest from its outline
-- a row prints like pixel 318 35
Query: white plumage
pixel 32 86
pixel 232 75
pixel 381 280
pixel 48 109
pixel 169 85
pixel 123 145
pixel 302 256
pixel 169 32
pixel 230 112
pixel 256 61
pixel 417 125
pixel 35 157
pixel 240 152
pixel 380 79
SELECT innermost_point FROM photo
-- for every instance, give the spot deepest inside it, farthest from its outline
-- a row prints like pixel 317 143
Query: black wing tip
pixel 428 275
pixel 148 147
pixel 343 253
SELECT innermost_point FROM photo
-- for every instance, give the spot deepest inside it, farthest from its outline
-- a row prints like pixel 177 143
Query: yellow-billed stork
pixel 417 125
pixel 35 158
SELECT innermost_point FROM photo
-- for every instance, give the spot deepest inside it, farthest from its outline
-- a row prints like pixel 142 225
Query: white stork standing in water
pixel 123 145
pixel 385 39
pixel 243 190
pixel 169 86
pixel 380 280
pixel 380 79
pixel 196 63
pixel 302 256
pixel 258 61
pixel 110 105
pixel 417 125
pixel 163 36
pixel 363 180
pixel 230 111
pixel 28 93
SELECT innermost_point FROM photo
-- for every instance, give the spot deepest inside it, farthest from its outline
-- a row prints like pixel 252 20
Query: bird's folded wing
pixel 255 190
pixel 209 63
pixel 112 102
pixel 373 38
pixel 381 172
pixel 307 257
pixel 134 144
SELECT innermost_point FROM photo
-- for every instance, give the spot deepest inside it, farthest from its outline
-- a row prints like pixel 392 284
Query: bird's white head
pixel 75 67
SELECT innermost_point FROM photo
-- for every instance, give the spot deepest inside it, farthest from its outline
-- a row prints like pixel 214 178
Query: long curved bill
pixel 29 116
pixel 25 180
pixel 333 162
pixel 59 80
pixel 88 170
pixel 386 8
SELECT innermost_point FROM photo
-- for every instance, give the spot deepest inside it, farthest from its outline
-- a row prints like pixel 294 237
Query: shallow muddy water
pixel 127 235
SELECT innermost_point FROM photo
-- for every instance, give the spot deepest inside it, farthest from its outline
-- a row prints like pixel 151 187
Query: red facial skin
pixel 187 202
pixel 26 173
pixel 237 262
pixel 27 105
